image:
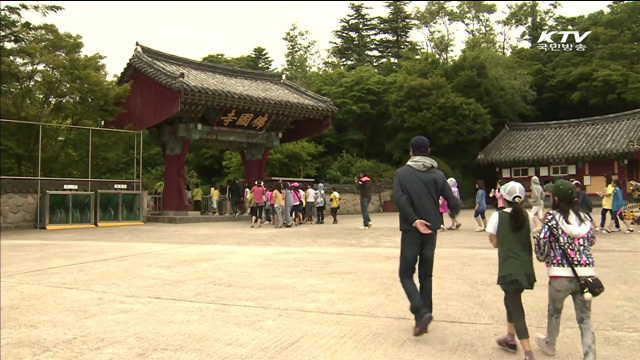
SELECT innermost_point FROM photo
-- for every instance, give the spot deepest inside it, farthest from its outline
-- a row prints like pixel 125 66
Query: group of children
pixel 612 203
pixel 563 241
pixel 285 204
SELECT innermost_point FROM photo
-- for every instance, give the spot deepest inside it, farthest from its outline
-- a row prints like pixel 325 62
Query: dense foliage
pixel 388 87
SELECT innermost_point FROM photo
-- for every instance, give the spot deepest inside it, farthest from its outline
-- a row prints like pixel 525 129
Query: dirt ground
pixel 227 291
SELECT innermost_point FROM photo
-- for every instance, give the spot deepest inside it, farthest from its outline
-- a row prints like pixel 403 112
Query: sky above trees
pixel 197 29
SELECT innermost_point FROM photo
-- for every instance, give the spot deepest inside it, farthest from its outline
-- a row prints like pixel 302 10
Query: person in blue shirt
pixel 616 208
pixel 481 206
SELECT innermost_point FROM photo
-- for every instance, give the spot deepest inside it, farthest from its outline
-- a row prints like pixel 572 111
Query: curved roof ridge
pixel 218 68
pixel 574 122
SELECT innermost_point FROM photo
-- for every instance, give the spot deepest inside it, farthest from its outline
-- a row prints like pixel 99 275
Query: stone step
pixel 174 219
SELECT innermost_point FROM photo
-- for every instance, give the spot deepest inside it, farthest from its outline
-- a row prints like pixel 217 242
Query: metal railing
pixel 154 204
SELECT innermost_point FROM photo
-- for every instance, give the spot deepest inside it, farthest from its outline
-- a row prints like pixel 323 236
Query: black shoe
pixel 422 326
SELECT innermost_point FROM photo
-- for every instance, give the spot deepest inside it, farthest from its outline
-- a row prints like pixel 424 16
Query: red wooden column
pixel 254 168
pixel 174 195
pixel 623 176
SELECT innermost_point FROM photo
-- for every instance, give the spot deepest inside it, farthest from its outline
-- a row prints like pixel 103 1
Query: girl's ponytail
pixel 518 216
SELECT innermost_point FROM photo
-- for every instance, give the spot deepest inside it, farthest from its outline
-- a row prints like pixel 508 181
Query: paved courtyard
pixel 226 291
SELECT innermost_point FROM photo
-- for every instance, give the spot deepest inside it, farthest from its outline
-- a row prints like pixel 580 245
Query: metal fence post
pixel 39 173
pixel 89 159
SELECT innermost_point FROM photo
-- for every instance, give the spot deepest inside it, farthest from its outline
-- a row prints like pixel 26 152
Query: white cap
pixel 513 192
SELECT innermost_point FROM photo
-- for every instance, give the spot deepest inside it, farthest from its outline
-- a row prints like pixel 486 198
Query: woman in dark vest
pixel 510 232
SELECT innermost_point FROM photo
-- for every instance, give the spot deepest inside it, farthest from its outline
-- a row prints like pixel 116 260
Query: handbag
pixel 590 286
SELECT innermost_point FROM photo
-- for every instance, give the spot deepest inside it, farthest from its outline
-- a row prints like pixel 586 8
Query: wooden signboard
pixel 232 118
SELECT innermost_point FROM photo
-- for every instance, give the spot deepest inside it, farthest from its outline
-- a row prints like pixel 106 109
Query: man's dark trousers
pixel 234 204
pixel 414 246
pixel 364 208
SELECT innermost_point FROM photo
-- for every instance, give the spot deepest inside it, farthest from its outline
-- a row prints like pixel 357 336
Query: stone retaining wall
pixel 350 202
pixel 18 210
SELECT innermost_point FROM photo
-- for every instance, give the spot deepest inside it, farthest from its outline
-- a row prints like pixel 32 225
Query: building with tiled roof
pixel 182 100
pixel 583 149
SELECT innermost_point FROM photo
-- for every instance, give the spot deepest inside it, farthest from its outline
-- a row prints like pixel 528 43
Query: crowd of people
pixel 281 204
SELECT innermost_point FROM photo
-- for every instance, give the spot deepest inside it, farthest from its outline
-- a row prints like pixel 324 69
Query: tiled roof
pixel 597 137
pixel 203 84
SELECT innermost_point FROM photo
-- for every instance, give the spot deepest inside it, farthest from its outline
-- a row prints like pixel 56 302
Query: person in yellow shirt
pixel 335 204
pixel 215 195
pixel 278 202
pixel 607 202
pixel 197 198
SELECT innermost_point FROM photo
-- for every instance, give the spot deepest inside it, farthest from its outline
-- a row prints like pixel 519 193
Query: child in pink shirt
pixel 443 209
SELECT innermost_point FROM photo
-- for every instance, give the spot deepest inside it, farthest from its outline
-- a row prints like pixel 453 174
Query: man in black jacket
pixel 233 191
pixel 417 188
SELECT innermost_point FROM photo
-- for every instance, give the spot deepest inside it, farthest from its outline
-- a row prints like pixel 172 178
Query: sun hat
pixel 513 192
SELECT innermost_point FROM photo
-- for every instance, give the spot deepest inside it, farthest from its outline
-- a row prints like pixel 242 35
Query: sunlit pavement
pixel 227 291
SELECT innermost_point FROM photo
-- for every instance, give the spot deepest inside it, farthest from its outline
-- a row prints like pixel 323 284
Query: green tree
pixel 258 60
pixel 394 31
pixel 295 159
pixel 346 166
pixel 602 79
pixel 475 16
pixel 436 22
pixel 431 108
pixel 497 83
pixel 359 125
pixel 354 45
pixel 261 59
pixel 46 78
pixel 533 17
pixel 300 56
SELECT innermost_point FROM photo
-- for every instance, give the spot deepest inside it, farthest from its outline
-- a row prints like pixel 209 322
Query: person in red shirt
pixel 259 199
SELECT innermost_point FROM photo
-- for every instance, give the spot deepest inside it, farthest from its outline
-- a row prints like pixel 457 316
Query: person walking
pixel 296 209
pixel 607 202
pixel 617 205
pixel 583 199
pixel 566 235
pixel 233 192
pixel 215 196
pixel 496 193
pixel 288 204
pixel 444 209
pixel 455 225
pixel 481 207
pixel 247 193
pixel 537 200
pixel 510 231
pixel 335 204
pixel 259 199
pixel 320 204
pixel 366 189
pixel 310 204
pixel 278 202
pixel 268 206
pixel 188 190
pixel 197 199
pixel 416 190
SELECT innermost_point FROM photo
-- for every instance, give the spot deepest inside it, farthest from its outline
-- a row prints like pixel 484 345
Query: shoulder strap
pixel 562 250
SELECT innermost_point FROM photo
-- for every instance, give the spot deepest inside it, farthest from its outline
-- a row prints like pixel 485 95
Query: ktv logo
pixel 545 42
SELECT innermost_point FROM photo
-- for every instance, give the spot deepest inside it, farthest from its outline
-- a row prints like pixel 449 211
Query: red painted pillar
pixel 254 168
pixel 174 195
pixel 623 176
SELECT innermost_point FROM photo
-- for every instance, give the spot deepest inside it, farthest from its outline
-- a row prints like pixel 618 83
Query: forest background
pixel 388 88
